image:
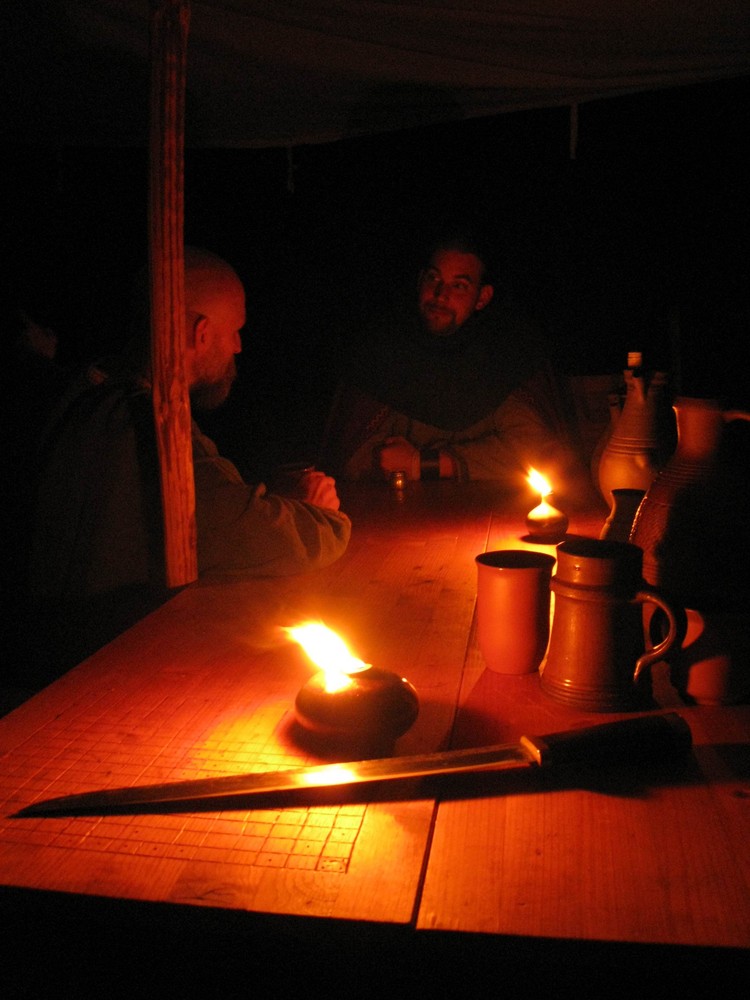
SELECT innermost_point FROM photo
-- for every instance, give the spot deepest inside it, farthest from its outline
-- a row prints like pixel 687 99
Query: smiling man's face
pixel 451 290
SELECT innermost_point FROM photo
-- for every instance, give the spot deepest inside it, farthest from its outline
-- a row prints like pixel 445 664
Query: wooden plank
pixel 618 859
pixel 171 403
pixel 206 686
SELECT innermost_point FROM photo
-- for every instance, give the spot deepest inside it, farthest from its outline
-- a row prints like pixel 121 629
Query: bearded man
pixel 459 387
pixel 96 560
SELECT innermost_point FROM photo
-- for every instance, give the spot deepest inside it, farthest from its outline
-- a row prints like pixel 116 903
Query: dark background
pixel 639 242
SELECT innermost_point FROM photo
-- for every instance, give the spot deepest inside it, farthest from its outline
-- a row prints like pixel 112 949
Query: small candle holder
pixel 398 480
pixel 545 523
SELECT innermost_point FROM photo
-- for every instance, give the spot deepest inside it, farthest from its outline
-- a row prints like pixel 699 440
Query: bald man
pixel 97 546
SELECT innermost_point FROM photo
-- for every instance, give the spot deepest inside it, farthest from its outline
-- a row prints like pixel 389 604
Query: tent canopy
pixel 275 73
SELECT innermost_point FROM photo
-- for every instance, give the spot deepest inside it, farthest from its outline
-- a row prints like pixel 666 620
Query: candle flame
pixel 539 483
pixel 328 651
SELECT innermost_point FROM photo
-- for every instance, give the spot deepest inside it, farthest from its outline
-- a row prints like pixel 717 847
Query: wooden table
pixel 206 685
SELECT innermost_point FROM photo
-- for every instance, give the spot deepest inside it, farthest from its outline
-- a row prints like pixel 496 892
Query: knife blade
pixel 643 738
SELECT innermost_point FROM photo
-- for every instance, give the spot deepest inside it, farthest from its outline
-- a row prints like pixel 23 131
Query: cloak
pixel 448 382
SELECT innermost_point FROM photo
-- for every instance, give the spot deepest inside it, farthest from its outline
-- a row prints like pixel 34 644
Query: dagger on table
pixel 637 740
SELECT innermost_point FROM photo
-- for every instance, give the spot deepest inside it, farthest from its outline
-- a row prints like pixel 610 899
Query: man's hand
pixel 318 488
pixel 397 454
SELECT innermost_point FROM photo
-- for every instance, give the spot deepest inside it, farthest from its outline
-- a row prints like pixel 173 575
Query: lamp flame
pixel 538 482
pixel 328 651
pixel 546 523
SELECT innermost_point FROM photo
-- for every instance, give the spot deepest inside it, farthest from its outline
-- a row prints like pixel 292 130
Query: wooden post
pixel 169 30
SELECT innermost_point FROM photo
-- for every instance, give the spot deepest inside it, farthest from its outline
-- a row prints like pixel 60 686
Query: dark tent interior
pixel 639 243
pixel 602 148
pixel 611 177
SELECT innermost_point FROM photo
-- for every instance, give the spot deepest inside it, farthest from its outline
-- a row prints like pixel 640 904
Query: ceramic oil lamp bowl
pixel 348 701
pixel 369 705
pixel 546 525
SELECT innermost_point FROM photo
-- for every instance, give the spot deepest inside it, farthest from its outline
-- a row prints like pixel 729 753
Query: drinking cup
pixel 286 479
pixel 513 604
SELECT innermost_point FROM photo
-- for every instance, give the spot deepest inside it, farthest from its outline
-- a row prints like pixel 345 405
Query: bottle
pixel 694 531
pixel 614 408
pixel 619 523
pixel 692 524
pixel 635 450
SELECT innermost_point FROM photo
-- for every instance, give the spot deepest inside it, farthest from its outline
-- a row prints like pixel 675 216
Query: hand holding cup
pixel 304 482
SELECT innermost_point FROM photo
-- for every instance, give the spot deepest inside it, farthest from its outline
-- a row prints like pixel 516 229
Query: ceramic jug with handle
pixel 692 522
pixel 635 449
pixel 619 522
pixel 694 530
pixel 598 655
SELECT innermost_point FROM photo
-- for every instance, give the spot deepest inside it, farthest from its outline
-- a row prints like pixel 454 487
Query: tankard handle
pixel 675 633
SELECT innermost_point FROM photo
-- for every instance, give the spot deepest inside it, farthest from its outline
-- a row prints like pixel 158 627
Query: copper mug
pixel 599 653
pixel 513 601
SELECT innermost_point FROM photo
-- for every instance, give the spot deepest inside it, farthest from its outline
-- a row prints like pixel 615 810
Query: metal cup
pixel 285 479
pixel 513 603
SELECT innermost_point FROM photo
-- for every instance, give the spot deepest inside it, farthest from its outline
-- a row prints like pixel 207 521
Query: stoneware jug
pixel 625 504
pixel 635 450
pixel 692 522
pixel 694 530
pixel 598 655
pixel 614 407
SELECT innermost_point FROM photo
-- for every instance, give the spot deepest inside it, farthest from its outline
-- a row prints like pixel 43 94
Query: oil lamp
pixel 547 525
pixel 348 699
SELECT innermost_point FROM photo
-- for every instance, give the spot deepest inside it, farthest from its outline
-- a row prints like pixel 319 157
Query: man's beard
pixel 440 323
pixel 211 395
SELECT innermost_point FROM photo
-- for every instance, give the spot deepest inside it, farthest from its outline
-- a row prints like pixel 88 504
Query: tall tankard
pixel 599 655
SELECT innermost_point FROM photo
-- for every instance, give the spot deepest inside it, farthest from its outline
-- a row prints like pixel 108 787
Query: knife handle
pixel 645 738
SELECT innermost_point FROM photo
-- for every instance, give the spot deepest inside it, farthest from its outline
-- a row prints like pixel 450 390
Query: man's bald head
pixel 215 314
pixel 208 279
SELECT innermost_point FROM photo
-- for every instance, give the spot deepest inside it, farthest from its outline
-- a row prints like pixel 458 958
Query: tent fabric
pixel 273 73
